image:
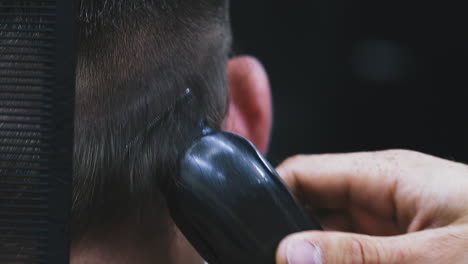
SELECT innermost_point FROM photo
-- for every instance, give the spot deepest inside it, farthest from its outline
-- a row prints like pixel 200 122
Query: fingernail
pixel 303 252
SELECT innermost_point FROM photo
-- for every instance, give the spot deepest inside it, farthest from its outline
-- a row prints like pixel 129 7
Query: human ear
pixel 250 106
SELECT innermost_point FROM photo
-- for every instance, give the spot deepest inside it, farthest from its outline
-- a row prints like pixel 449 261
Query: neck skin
pixel 126 248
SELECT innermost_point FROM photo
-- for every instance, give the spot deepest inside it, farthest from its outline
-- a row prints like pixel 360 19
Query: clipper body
pixel 231 204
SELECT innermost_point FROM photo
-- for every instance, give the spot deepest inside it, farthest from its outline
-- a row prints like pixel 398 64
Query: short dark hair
pixel 135 59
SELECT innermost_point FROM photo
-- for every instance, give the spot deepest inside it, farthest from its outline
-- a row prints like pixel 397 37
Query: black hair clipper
pixel 231 204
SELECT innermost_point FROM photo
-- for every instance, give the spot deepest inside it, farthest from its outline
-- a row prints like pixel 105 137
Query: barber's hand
pixel 383 207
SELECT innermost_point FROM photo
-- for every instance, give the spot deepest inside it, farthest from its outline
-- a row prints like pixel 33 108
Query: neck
pixel 126 248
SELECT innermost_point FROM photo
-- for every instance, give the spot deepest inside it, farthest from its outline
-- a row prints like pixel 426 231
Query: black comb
pixel 37 78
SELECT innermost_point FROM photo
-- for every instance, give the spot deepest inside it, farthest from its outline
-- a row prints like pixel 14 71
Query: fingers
pixel 368 180
pixel 356 221
pixel 434 246
pixel 402 187
pixel 333 177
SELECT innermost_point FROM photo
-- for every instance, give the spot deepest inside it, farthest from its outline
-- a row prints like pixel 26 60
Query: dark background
pixel 361 75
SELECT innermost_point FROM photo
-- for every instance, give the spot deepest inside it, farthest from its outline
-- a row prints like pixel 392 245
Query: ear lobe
pixel 250 109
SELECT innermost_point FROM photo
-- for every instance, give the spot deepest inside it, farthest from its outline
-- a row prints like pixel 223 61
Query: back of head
pixel 136 58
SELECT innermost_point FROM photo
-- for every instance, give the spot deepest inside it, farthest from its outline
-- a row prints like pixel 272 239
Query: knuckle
pixel 367 252
pixel 400 157
pixel 457 236
pixel 290 162
pixel 400 255
pixel 403 153
pixel 357 252
pixel 297 158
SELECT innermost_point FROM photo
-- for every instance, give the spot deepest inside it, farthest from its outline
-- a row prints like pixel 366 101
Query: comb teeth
pixel 31 167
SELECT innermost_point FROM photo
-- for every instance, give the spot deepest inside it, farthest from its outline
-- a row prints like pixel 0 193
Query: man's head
pixel 136 58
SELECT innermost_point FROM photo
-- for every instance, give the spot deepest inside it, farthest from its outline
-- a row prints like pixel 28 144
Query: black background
pixel 361 75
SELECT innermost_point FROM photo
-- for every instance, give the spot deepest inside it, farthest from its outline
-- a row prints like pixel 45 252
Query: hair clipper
pixel 231 204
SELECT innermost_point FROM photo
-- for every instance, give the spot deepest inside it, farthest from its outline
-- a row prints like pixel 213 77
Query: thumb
pixel 334 248
pixel 341 248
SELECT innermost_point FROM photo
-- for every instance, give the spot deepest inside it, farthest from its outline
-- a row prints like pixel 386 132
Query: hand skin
pixel 394 206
